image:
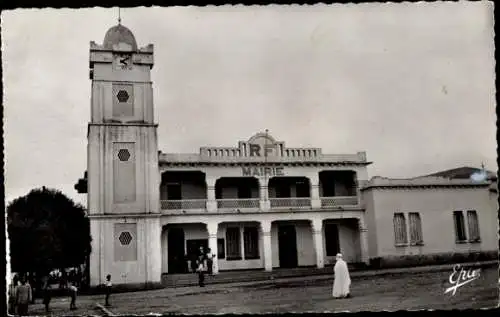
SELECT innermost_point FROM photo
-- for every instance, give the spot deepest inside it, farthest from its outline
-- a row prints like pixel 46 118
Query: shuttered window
pixel 400 236
pixel 251 242
pixel 415 228
pixel 473 223
pixel 460 233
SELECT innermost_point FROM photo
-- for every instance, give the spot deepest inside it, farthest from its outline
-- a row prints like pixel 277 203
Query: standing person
pixel 12 295
pixel 201 267
pixel 46 294
pixel 107 286
pixel 72 292
pixel 23 297
pixel 210 262
pixel 342 280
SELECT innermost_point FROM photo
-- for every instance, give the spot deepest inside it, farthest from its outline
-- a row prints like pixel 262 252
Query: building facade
pixel 258 205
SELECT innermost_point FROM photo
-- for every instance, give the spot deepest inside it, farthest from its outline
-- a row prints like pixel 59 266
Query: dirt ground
pixel 409 291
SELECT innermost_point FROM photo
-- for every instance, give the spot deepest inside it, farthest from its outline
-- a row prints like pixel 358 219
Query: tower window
pixel 122 96
pixel 125 238
pixel 123 155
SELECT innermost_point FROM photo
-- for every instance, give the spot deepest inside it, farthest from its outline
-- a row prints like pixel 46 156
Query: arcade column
pixel 266 241
pixel 265 204
pixel 363 238
pixel 211 200
pixel 317 229
pixel 213 228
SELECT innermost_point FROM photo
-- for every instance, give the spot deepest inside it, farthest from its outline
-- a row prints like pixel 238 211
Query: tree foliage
pixel 47 230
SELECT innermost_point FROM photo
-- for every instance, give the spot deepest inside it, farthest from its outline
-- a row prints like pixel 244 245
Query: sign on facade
pixel 263 171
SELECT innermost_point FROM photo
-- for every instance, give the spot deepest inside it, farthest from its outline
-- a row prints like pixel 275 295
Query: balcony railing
pixel 339 201
pixel 238 203
pixel 184 204
pixel 290 202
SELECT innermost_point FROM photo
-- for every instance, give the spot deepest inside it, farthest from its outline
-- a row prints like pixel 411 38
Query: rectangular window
pixel 332 244
pixel 415 228
pixel 400 236
pixel 459 226
pixel 221 251
pixel 474 235
pixel 251 243
pixel 233 243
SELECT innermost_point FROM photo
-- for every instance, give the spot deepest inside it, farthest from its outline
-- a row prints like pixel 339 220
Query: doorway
pixel 287 246
pixel 332 242
pixel 176 260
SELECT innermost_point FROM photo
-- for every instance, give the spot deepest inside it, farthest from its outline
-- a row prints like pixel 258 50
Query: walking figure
pixel 72 292
pixel 107 286
pixel 342 280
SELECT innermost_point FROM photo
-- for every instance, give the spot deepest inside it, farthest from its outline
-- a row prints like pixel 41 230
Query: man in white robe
pixel 342 280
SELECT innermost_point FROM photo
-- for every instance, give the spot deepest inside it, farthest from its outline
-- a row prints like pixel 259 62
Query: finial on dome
pixel 119 16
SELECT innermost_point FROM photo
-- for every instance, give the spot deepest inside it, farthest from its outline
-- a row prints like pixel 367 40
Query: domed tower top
pixel 119 34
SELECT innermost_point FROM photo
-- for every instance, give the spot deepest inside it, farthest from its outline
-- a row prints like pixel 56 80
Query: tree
pixel 47 230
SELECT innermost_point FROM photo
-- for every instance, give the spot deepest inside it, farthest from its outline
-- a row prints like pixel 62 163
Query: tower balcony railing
pixel 238 203
pixel 339 201
pixel 185 204
pixel 290 202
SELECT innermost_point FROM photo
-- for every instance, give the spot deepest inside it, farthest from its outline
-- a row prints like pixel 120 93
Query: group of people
pixel 21 294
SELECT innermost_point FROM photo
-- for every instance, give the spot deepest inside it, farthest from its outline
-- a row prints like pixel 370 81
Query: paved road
pixel 408 291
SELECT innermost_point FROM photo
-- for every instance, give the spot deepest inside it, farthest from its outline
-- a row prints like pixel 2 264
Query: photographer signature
pixel 460 277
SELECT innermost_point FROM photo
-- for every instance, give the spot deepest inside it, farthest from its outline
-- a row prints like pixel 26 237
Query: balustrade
pixel 184 204
pixel 238 203
pixel 339 201
pixel 290 202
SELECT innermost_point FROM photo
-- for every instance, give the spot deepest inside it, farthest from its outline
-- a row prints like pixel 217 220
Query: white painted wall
pixel 436 208
pixel 147 268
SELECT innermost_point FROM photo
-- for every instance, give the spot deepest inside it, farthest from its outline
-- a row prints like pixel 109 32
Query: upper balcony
pixel 187 192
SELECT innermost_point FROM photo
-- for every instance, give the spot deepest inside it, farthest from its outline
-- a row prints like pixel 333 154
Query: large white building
pixel 257 205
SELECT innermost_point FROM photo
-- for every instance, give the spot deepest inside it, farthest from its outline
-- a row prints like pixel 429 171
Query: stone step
pixel 191 279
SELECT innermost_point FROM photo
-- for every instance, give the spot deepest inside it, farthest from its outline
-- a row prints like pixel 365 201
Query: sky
pixel 410 84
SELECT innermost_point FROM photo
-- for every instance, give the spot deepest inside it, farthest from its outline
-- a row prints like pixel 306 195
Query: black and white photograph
pixel 250 159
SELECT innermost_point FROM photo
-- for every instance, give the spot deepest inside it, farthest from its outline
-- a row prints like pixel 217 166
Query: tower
pixel 123 175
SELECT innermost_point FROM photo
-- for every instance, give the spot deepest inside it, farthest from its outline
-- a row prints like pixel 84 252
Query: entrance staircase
pixel 240 276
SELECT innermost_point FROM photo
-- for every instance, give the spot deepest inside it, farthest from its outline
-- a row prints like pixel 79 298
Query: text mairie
pixel 263 171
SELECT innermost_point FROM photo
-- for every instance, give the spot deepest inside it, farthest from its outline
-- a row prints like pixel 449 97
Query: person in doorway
pixel 73 290
pixel 342 280
pixel 107 286
pixel 12 295
pixel 46 294
pixel 210 262
pixel 23 297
